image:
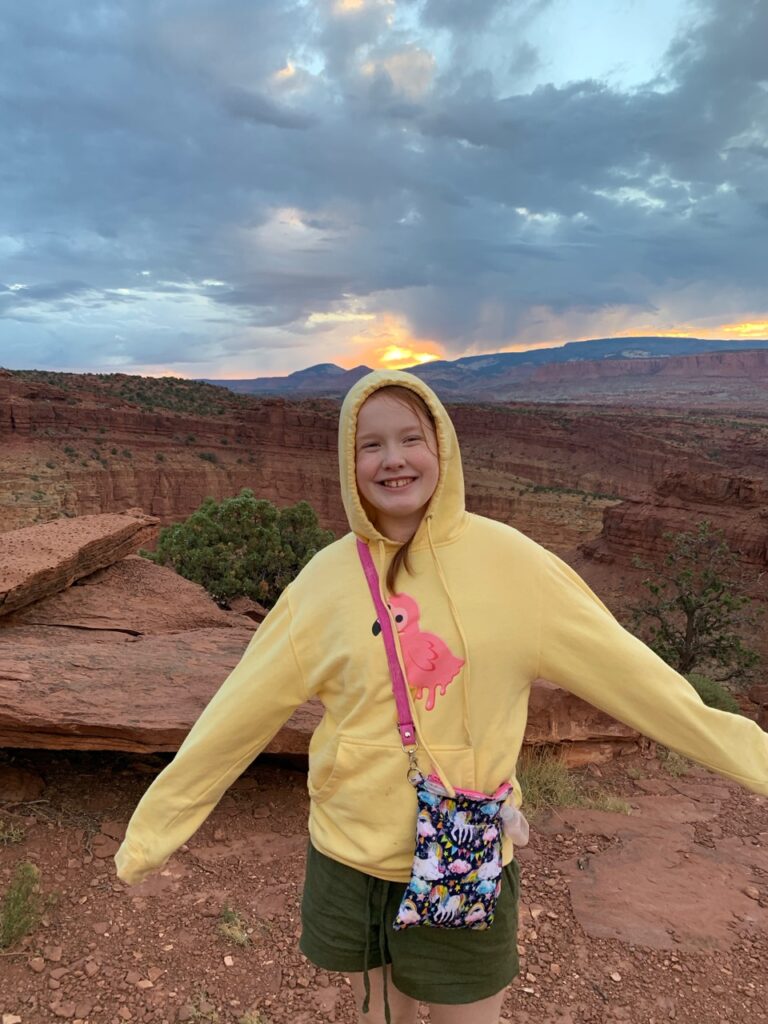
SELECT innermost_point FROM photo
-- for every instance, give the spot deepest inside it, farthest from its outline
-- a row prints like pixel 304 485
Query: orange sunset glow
pixel 751 329
pixel 742 330
pixel 388 344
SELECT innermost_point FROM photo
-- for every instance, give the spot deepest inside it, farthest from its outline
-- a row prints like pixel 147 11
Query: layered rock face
pixel 747 365
pixel 737 506
pixel 83 452
pixel 550 470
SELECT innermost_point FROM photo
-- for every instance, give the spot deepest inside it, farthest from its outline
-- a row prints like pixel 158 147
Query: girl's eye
pixel 416 437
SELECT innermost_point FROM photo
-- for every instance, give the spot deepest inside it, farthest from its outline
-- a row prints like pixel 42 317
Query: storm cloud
pixel 233 188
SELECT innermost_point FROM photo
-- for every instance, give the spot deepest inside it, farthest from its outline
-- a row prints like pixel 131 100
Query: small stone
pixel 229 961
pixel 554 970
pixel 752 892
pixel 11 1018
pixel 37 964
pixel 125 1013
pixel 144 984
pixel 53 984
pixel 63 1009
pixel 100 927
pixel 133 977
pixel 53 953
pixel 104 847
pixel 114 829
pixel 154 973
pixel 91 968
pixel 59 972
pixel 615 976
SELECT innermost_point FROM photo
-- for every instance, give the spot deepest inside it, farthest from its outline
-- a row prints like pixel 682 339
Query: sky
pixel 230 188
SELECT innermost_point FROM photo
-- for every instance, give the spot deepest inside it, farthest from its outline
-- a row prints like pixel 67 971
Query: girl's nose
pixel 393 457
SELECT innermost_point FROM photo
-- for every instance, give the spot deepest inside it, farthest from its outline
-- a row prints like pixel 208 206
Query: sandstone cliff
pixel 82 444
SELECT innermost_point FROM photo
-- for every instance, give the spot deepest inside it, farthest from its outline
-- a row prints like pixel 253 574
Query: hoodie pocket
pixel 377 773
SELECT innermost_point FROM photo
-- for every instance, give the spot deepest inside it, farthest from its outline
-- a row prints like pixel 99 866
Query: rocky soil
pixel 660 915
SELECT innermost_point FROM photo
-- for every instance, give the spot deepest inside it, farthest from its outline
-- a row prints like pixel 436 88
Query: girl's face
pixel 396 463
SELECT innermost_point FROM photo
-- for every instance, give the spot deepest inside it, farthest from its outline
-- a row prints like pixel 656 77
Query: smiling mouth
pixel 394 485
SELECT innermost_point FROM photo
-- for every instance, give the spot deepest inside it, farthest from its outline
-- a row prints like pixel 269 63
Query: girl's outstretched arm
pixel 585 650
pixel 255 700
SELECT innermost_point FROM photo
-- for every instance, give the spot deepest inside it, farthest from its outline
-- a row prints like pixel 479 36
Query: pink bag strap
pixel 404 718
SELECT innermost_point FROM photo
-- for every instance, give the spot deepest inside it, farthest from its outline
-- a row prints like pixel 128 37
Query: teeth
pixel 396 483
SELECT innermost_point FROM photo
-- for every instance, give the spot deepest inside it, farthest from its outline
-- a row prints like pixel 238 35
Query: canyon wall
pixel 564 474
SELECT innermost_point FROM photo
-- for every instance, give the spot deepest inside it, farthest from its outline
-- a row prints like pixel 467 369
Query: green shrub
pixel 233 927
pixel 546 782
pixel 242 546
pixel 22 905
pixel 714 694
pixel 10 832
pixel 673 763
pixel 208 456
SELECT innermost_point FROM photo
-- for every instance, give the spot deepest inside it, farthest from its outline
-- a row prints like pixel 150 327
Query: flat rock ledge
pixel 38 561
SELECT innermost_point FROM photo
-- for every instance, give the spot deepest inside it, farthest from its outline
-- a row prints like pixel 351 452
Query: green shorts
pixel 347 917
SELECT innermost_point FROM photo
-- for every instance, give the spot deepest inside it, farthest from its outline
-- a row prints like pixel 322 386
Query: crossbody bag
pixel 456 872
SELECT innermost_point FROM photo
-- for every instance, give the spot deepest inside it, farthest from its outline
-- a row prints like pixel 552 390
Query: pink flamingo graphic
pixel 429 664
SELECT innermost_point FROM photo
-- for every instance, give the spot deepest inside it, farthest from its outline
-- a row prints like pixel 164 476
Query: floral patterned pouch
pixel 456 872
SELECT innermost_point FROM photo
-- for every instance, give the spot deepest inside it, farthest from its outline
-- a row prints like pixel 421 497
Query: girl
pixel 480 611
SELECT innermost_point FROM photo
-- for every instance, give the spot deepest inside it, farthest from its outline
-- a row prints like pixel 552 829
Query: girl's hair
pixel 417 404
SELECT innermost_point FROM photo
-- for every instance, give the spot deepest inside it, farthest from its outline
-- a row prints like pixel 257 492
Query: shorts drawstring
pixel 383 945
pixel 383 894
pixel 367 951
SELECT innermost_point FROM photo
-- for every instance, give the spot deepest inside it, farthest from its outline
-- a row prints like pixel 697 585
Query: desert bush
pixel 22 905
pixel 546 782
pixel 242 546
pixel 673 763
pixel 697 611
pixel 10 832
pixel 233 927
pixel 714 694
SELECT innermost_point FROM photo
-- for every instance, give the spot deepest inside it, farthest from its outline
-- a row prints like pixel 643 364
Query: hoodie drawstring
pixel 459 627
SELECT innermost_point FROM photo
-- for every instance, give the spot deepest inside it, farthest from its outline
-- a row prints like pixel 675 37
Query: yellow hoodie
pixel 485 612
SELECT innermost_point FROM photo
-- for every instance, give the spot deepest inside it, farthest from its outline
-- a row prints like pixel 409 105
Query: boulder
pixel 556 716
pixel 119 692
pixel 252 609
pixel 132 596
pixel 37 561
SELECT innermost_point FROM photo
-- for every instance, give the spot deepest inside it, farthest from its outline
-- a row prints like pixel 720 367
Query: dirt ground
pixel 108 954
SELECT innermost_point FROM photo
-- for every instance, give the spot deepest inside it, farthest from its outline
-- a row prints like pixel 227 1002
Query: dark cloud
pixel 200 178
pixel 260 109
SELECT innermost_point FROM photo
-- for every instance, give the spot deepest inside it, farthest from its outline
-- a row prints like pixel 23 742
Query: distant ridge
pixel 504 375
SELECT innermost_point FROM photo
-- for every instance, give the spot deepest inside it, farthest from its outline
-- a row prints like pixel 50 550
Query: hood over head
pixel 446 507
